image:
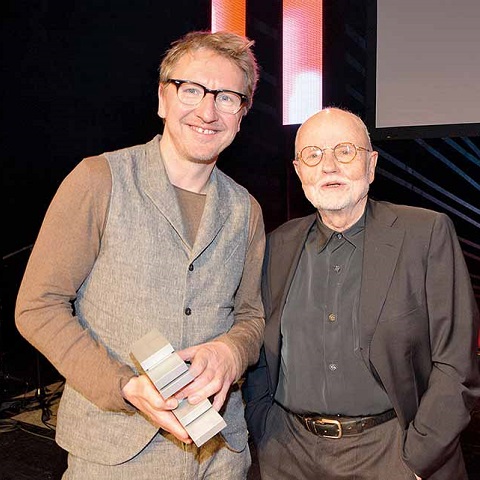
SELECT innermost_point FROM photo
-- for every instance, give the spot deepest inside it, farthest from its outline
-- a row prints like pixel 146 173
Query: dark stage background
pixel 80 78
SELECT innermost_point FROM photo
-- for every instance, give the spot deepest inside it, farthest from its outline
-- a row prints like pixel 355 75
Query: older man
pixel 368 369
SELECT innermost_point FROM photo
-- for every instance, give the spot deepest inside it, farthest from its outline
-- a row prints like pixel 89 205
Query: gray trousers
pixel 289 452
pixel 169 459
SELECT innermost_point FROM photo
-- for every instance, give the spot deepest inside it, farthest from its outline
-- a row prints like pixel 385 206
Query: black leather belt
pixel 333 426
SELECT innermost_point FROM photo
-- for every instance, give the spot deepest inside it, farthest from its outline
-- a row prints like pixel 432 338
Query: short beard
pixel 331 205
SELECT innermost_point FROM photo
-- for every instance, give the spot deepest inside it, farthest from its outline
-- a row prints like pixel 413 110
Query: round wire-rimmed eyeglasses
pixel 344 152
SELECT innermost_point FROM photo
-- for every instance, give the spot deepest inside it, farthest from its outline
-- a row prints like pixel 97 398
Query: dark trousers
pixel 289 452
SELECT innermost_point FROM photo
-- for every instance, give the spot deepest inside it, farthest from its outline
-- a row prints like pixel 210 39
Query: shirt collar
pixel 353 234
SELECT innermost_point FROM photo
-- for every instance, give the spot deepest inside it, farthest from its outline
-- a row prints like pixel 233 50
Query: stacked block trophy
pixel 169 373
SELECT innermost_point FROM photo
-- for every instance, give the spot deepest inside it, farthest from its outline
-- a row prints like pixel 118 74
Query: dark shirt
pixel 321 368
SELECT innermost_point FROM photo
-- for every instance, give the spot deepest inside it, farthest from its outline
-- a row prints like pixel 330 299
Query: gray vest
pixel 147 276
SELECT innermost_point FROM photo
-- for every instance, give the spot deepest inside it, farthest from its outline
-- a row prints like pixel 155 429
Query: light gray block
pixel 166 371
pixel 186 412
pixel 205 426
pixel 151 349
pixel 176 384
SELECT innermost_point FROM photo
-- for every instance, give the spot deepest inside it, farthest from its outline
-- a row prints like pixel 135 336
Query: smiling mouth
pixel 203 131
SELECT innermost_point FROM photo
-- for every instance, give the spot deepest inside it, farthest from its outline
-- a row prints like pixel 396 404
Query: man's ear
pixel 372 164
pixel 295 166
pixel 161 101
pixel 240 118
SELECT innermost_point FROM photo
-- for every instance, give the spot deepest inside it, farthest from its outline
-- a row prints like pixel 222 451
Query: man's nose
pixel 206 108
pixel 329 162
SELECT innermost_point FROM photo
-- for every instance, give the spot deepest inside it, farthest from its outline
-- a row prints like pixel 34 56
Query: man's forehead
pixel 338 126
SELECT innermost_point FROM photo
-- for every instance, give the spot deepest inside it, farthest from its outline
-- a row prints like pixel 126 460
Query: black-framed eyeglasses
pixel 192 93
pixel 344 152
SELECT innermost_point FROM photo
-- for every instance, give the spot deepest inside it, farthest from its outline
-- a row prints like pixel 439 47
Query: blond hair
pixel 229 45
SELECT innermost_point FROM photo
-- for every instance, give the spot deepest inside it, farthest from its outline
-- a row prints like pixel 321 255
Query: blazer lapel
pixel 382 247
pixel 284 257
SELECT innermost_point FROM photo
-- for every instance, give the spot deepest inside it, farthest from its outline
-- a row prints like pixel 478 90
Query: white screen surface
pixel 427 63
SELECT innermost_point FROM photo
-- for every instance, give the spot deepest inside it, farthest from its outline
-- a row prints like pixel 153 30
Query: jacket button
pixel 190 267
pixel 188 311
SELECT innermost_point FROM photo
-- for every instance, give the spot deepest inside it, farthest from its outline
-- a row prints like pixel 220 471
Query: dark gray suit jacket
pixel 418 329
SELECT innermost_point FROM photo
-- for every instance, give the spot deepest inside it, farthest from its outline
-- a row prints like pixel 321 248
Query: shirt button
pixel 339 236
pixel 332 367
pixel 188 311
pixel 332 317
pixel 190 267
pixel 337 268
